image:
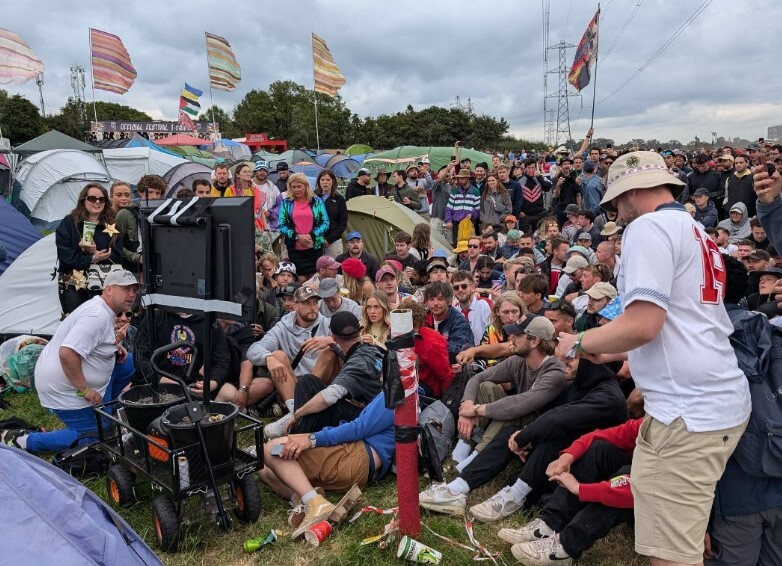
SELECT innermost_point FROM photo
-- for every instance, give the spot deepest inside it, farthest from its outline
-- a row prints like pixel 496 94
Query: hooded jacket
pixel 709 180
pixel 740 189
pixel 356 189
pixel 288 336
pixel 708 215
pixel 740 231
pixel 593 401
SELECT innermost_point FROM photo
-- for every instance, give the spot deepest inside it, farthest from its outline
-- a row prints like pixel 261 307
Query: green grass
pixel 206 544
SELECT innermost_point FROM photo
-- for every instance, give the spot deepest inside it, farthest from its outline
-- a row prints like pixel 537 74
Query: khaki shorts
pixel 674 474
pixel 336 468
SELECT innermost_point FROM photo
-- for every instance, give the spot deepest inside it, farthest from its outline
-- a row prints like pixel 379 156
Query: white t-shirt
pixel 478 316
pixel 689 370
pixel 89 331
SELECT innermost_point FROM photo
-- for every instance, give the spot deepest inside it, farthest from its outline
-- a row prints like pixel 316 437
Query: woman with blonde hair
pixel 303 222
pixel 495 344
pixel 355 280
pixel 375 319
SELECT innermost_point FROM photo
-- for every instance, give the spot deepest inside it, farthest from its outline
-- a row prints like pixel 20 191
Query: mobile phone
pixel 277 449
pixel 761 140
pixel 453 158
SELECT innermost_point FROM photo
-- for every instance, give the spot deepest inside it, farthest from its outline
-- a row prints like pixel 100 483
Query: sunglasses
pixel 94 199
pixel 473 246
pixel 460 287
pixel 128 314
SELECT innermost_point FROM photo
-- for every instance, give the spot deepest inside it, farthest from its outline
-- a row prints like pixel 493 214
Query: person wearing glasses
pixel 474 249
pixel 87 236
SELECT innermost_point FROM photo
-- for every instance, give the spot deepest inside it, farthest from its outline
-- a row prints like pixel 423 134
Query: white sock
pixel 461 451
pixel 466 462
pixel 22 441
pixel 458 487
pixel 289 404
pixel 520 490
pixel 307 497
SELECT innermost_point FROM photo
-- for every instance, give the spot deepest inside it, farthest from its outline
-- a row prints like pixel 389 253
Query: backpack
pixel 82 461
pixel 438 429
pixel 452 396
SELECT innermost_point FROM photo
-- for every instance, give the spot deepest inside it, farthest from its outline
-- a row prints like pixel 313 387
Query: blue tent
pixel 16 234
pixel 141 141
pixel 48 517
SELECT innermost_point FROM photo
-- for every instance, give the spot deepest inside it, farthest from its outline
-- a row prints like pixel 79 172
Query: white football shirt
pixel 689 370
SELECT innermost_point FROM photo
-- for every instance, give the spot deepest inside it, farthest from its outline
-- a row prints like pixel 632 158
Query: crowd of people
pixel 611 317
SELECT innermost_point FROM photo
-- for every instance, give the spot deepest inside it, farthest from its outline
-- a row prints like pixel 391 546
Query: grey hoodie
pixel 288 336
pixel 740 231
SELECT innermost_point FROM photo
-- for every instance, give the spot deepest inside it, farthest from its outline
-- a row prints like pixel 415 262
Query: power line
pixel 657 53
pixel 621 32
pixel 604 11
pixel 567 21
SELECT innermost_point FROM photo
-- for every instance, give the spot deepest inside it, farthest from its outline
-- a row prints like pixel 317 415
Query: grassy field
pixel 207 545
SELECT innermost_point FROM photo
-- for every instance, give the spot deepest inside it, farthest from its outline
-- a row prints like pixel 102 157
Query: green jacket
pixel 398 193
pixel 127 222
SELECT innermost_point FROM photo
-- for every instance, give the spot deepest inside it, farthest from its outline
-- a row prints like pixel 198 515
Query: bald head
pixel 606 253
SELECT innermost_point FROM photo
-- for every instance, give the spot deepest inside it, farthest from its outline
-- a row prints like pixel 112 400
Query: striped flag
pixel 328 77
pixel 224 72
pixel 189 106
pixel 586 54
pixel 112 69
pixel 18 63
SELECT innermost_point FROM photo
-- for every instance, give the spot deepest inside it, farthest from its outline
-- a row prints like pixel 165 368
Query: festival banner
pixel 224 71
pixel 586 54
pixel 328 77
pixel 112 69
pixel 18 63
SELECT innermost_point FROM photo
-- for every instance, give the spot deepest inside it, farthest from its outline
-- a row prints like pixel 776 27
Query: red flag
pixel 186 121
pixel 586 54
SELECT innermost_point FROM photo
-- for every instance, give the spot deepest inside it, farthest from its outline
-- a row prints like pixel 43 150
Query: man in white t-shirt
pixel 74 370
pixel 477 310
pixel 675 331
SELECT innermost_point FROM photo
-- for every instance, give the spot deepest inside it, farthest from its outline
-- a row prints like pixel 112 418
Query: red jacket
pixel 616 491
pixel 434 367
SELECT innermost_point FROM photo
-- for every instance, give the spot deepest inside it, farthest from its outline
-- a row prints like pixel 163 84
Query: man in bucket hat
pixel 672 294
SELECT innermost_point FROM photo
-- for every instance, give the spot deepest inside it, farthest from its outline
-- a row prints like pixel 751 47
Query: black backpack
pixel 82 461
pixel 452 396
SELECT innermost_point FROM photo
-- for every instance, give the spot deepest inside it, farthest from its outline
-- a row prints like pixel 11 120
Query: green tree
pixel 114 111
pixel 20 119
pixel 224 121
pixel 70 120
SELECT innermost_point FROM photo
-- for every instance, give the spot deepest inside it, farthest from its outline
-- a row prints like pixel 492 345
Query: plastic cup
pixel 414 551
pixel 317 533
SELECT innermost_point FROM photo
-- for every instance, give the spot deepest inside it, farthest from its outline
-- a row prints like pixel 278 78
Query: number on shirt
pixel 714 276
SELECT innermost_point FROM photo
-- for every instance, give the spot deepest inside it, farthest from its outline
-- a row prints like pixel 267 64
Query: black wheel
pixel 248 498
pixel 120 486
pixel 166 522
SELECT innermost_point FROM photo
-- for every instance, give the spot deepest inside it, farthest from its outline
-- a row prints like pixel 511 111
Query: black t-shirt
pixel 568 190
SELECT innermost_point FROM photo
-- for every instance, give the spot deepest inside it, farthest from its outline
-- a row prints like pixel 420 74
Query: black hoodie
pixel 593 401
pixel 356 189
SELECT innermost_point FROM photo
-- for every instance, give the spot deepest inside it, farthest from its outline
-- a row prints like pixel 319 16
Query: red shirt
pixel 434 367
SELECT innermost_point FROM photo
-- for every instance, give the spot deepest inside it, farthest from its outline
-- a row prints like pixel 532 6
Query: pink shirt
pixel 302 219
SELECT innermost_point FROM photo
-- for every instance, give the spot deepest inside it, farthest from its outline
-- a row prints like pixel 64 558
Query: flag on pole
pixel 224 71
pixel 328 77
pixel 18 63
pixel 188 101
pixel 586 54
pixel 112 69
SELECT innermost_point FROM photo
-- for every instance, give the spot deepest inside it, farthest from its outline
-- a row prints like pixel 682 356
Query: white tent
pixel 129 164
pixel 29 302
pixel 51 181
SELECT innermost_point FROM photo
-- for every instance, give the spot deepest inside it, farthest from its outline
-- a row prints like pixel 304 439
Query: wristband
pixel 244 389
pixel 82 392
pixel 577 345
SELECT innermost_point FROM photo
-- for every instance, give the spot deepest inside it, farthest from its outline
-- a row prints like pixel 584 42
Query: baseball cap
pixel 514 234
pixel 703 191
pixel 354 236
pixel 574 264
pixel 759 255
pixel 289 289
pixel 571 209
pixel 532 325
pixel 726 157
pixel 579 250
pixel 384 271
pixel 397 265
pixel 753 147
pixel 285 266
pixel 666 153
pixel 344 324
pixel 601 290
pixel 638 170
pixel 460 247
pixel 610 229
pixel 363 171
pixel 328 288
pixel 121 277
pixel 584 236
pixel 305 292
pixel 436 265
pixel 510 217
pixel 612 309
pixel 261 165
pixel 425 160
pixel 326 261
pixel 282 166
pixel 411 167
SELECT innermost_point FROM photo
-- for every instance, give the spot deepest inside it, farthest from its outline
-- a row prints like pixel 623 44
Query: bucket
pixel 141 414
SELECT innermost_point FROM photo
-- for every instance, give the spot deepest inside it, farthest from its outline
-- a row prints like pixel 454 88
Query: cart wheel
pixel 248 499
pixel 166 521
pixel 120 486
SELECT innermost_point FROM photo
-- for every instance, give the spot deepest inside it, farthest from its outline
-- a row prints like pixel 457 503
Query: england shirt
pixel 689 370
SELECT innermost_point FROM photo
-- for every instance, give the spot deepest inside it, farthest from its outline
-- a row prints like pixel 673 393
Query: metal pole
pixel 594 82
pixel 317 134
pixel 92 77
pixel 209 78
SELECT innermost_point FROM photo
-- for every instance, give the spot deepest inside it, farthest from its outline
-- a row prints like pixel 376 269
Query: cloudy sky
pixel 720 74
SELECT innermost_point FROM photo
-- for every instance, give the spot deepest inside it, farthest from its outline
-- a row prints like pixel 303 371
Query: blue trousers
pixel 80 424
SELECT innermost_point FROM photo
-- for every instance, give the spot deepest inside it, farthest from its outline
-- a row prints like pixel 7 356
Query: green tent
pixel 358 149
pixel 402 157
pixel 378 219
pixel 194 154
pixel 53 139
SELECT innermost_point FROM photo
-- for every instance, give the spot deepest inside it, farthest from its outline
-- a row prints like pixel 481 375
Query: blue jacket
pixel 457 331
pixel 374 425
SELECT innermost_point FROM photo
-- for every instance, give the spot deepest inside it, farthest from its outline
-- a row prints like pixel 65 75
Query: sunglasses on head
pixel 94 199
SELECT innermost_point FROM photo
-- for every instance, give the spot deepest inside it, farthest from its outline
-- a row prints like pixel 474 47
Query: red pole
pixel 406 416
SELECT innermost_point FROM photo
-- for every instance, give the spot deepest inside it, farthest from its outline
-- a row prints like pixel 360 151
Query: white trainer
pixel 437 497
pixel 534 530
pixel 498 506
pixel 543 552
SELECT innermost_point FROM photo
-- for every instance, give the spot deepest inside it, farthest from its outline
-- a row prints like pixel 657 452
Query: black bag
pixel 82 461
pixel 452 396
pixel 392 382
pixel 438 429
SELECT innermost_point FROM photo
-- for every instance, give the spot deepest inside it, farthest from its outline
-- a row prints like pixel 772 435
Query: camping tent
pixel 141 141
pixel 229 149
pixel 29 302
pixel 50 181
pixel 357 149
pixel 5 175
pixel 194 154
pixel 401 157
pixel 184 174
pixel 53 140
pixel 51 518
pixel 131 163
pixel 378 219
pixel 16 234
pixel 291 157
pixel 182 139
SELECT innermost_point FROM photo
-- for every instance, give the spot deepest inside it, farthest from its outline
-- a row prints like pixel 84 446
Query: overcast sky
pixel 720 75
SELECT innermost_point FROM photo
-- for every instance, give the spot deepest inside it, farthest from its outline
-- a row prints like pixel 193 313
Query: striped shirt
pixel 463 204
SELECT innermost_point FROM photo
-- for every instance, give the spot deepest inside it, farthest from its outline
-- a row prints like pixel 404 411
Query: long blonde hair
pixel 299 178
pixel 506 297
pixel 354 286
pixel 382 298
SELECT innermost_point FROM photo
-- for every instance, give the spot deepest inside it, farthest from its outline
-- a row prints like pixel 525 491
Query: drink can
pixel 414 551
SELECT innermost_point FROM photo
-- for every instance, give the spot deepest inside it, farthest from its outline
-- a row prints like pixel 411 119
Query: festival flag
pixel 586 54
pixel 224 71
pixel 328 77
pixel 112 69
pixel 188 101
pixel 18 63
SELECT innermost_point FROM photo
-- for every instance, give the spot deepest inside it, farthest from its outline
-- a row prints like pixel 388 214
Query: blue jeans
pixel 80 424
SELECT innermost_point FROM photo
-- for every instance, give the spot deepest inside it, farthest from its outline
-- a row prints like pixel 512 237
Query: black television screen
pixel 202 259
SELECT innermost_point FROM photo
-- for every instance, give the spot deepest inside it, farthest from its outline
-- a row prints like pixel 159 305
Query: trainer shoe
pixel 296 515
pixel 534 530
pixel 10 436
pixel 277 428
pixel 437 497
pixel 318 509
pixel 497 507
pixel 543 552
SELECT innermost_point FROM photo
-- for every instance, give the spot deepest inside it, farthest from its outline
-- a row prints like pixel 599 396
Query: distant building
pixel 774 133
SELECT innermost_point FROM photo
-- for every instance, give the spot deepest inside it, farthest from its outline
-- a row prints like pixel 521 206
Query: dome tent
pixel 401 157
pixel 16 234
pixel 129 164
pixel 183 175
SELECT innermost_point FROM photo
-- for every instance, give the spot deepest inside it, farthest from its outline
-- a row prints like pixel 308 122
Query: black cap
pixel 344 324
pixel 701 158
pixel 289 289
pixel 282 166
pixel 703 191
pixel 753 147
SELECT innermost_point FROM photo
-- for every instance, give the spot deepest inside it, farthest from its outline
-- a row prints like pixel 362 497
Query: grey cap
pixel 328 288
pixel 703 191
pixel 122 278
pixel 584 236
